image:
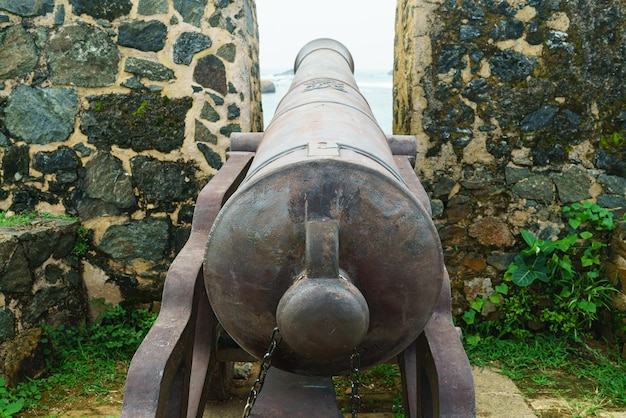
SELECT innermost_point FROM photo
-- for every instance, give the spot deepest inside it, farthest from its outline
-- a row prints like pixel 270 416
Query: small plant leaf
pixel 494 298
pixel 587 306
pixel 523 276
pixel 502 288
pixel 472 339
pixel 477 304
pixel 469 316
pixel 528 238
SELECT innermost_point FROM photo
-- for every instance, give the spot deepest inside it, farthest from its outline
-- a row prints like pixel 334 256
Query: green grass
pixel 86 361
pixel 568 369
pixel 8 218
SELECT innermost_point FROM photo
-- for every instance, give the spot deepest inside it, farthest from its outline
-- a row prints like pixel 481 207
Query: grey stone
pixel 573 185
pixel 164 181
pixel 148 69
pixel 53 273
pixel 40 35
pixel 27 8
pixel 83 56
pixel 106 180
pixel 15 276
pixel 613 184
pixel 469 32
pixel 539 118
pixel 222 4
pixel 188 44
pixel 612 164
pixel 209 113
pixel 218 100
pixel 59 16
pixel 191 10
pixel 15 163
pixel 514 174
pixel 4 141
pixel 210 72
pixel 443 187
pixel 511 28
pixel 476 90
pixel 536 187
pixel 133 83
pixel 611 201
pixel 102 9
pixel 501 7
pixel 558 40
pixel 242 371
pixel 511 65
pixel 143 35
pixel 211 157
pixel 145 239
pixel 39 244
pixel 140 121
pixel 7 324
pixel 18 55
pixel 83 150
pixel 203 134
pixel 548 153
pixel 226 130
pixel 62 159
pixel 233 111
pixel 436 206
pixel 41 116
pixel 573 118
pixel 55 305
pixel 153 88
pixel 227 51
pixel 501 262
pixel 152 7
pixel 451 57
pixel 268 86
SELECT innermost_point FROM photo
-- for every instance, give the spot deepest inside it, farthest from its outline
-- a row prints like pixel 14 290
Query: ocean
pixel 376 87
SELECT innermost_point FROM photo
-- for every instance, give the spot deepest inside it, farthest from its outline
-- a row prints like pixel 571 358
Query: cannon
pixel 313 250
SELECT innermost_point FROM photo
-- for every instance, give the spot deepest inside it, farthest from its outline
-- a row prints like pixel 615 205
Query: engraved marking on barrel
pixel 322 148
pixel 322 83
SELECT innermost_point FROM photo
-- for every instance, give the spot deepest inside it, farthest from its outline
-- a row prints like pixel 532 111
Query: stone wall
pixel 40 281
pixel 119 112
pixel 519 109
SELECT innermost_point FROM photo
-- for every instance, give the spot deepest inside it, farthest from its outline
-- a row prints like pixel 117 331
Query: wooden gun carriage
pixel 319 230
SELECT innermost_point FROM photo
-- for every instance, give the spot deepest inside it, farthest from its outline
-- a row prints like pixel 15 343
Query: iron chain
pixel 266 363
pixel 355 378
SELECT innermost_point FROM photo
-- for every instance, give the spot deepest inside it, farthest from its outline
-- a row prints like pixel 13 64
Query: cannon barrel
pixel 324 238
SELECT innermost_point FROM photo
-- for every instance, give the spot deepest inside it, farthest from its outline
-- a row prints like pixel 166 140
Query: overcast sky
pixel 366 27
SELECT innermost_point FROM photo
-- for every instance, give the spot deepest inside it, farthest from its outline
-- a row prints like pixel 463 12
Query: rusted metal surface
pixel 289 395
pixel 170 369
pixel 436 374
pixel 326 232
pixel 322 315
pixel 324 157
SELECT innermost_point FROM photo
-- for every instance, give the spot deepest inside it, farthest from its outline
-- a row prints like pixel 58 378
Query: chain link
pixel 266 363
pixel 355 381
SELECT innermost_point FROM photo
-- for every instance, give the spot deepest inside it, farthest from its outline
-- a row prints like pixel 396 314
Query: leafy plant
pixel 82 244
pixel 475 325
pixel 9 404
pixel 555 284
pixel 88 357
